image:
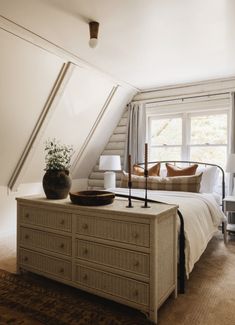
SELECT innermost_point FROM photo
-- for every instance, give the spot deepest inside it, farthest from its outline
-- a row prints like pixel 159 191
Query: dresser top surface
pixel 118 206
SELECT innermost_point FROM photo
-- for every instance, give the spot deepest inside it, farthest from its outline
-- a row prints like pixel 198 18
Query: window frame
pixel 161 116
pixel 186 116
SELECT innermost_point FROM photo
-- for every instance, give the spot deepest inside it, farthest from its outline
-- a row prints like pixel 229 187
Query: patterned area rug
pixel 32 300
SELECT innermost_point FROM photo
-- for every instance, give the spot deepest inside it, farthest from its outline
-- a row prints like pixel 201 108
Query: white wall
pixel 103 132
pixel 115 146
pixel 27 76
pixel 73 118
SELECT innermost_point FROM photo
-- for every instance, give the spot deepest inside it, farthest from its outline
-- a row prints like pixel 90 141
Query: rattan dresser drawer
pixel 120 231
pixel 46 218
pixel 32 238
pixel 43 263
pixel 115 257
pixel 125 288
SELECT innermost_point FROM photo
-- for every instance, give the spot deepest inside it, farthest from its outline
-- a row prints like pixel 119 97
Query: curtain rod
pixel 154 100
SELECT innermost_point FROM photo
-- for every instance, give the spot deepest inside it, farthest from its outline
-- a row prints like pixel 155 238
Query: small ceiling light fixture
pixel 94 28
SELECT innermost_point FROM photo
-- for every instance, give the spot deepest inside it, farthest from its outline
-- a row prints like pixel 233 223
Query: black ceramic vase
pixel 56 184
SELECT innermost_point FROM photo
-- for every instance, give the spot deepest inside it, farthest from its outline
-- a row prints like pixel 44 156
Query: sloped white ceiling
pixel 43 96
pixel 26 79
pixel 73 118
pixel 103 132
pixel 146 43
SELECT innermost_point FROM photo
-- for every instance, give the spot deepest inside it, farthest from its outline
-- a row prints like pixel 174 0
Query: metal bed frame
pixel 182 273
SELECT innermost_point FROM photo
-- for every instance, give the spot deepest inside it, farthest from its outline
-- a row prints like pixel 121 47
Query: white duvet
pixel 201 214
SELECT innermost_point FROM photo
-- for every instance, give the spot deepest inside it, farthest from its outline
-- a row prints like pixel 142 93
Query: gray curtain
pixel 231 217
pixel 136 133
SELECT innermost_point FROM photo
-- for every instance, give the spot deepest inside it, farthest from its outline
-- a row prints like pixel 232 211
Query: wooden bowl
pixel 92 198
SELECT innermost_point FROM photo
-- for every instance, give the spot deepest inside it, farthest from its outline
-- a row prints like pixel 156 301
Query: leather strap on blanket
pixel 181 240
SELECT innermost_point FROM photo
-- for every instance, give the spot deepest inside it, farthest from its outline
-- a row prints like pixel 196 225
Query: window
pixel 201 136
pixel 208 138
pixel 166 138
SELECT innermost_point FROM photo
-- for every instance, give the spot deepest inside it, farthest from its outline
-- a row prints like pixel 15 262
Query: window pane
pixel 209 129
pixel 214 155
pixel 166 131
pixel 165 154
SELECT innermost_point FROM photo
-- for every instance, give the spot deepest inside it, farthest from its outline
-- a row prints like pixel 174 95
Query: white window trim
pixel 186 115
pixel 214 112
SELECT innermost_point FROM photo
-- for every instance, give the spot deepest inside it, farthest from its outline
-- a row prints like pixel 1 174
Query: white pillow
pixel 209 178
pixel 163 172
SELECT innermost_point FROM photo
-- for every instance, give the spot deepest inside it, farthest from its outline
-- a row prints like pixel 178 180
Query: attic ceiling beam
pixel 50 105
pixel 193 89
pixel 27 35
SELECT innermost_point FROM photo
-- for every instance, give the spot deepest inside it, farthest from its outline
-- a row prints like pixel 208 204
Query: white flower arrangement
pixel 58 156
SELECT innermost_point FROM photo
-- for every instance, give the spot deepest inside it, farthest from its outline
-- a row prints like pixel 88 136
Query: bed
pixel 200 214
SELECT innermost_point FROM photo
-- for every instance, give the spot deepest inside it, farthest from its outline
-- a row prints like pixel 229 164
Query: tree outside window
pixel 201 137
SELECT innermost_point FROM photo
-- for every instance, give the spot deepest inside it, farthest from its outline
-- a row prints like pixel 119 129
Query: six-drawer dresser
pixel 125 254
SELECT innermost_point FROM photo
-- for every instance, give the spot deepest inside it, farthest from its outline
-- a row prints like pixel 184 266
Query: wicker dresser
pixel 125 254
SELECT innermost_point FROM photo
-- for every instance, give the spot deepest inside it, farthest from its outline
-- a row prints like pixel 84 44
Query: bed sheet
pixel 202 216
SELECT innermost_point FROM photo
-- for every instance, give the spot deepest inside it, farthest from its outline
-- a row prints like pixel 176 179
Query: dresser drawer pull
pixel 135 235
pixel 62 245
pixel 61 270
pixel 27 215
pixel 85 226
pixel 85 251
pixel 136 263
pixel 62 222
pixel 26 258
pixel 84 277
pixel 136 293
pixel 26 236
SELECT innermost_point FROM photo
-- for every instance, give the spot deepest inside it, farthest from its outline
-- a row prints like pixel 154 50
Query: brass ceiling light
pixel 94 28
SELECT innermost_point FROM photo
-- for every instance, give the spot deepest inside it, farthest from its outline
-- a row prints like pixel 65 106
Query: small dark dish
pixel 92 198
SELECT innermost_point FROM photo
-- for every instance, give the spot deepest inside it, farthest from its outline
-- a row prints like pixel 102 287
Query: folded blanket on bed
pixel 201 214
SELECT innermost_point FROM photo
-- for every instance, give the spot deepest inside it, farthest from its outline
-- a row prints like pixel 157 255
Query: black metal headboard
pixel 189 162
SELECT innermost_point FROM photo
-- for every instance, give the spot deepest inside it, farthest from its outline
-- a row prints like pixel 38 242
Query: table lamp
pixel 109 164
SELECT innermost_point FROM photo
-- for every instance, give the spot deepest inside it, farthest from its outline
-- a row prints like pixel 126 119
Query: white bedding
pixel 201 214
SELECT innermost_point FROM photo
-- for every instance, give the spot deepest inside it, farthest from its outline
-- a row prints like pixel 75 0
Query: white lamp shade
pixel 110 163
pixel 230 166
